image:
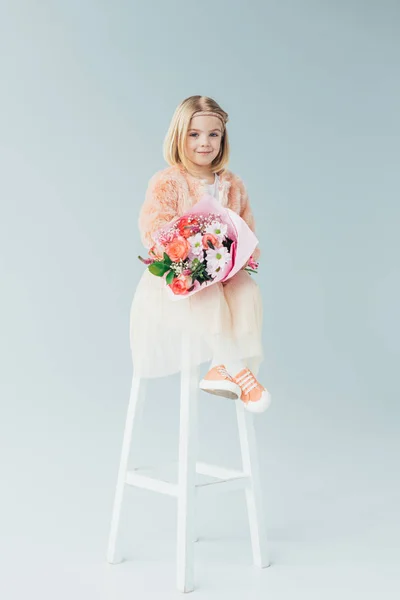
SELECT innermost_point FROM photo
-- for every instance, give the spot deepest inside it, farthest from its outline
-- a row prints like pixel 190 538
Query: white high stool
pixel 186 489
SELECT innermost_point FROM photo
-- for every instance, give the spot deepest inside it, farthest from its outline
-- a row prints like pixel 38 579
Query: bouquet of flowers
pixel 207 244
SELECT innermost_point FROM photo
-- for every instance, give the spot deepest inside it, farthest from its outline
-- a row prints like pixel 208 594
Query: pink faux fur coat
pixel 172 191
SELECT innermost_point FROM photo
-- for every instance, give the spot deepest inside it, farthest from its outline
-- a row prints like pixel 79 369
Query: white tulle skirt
pixel 224 315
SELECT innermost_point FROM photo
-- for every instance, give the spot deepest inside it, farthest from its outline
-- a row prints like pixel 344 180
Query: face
pixel 203 140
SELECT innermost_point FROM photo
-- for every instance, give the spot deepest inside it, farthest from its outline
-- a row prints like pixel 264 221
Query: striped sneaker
pixel 256 398
pixel 219 382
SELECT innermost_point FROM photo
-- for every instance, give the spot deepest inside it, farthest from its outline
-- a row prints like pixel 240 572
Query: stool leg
pixel 253 493
pixel 136 399
pixel 187 477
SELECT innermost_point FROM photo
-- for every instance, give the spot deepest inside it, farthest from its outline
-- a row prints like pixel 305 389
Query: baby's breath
pixel 179 266
pixel 172 232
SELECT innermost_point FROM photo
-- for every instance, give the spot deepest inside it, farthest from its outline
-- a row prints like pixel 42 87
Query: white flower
pixel 213 269
pixel 195 260
pixel 177 268
pixel 217 259
pixel 220 255
pixel 196 245
pixel 218 229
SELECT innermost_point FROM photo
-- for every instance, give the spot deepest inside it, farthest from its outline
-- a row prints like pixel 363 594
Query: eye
pixel 194 133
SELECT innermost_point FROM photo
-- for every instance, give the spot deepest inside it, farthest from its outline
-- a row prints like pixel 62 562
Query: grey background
pixel 87 93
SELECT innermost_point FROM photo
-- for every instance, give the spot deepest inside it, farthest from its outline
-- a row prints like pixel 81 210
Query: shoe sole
pixel 227 389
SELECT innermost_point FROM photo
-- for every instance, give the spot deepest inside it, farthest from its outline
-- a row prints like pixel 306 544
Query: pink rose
pixel 181 284
pixel 209 237
pixel 178 249
pixel 184 224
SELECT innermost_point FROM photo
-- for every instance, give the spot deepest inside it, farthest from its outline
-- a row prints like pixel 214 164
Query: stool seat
pixel 185 488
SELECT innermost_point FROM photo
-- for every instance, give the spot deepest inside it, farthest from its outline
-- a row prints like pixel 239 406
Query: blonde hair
pixel 174 142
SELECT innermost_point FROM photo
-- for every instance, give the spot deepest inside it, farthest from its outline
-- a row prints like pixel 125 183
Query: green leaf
pixel 170 277
pixel 158 268
pixel 167 259
pixel 210 244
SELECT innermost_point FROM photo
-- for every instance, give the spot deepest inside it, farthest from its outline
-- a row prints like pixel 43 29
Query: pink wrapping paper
pixel 244 240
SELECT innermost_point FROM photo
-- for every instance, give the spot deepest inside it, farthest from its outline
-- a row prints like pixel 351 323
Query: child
pixel 223 321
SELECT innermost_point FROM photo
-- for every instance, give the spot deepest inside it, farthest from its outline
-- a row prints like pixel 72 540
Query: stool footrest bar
pixel 218 472
pixel 151 483
pixel 224 480
pixel 227 485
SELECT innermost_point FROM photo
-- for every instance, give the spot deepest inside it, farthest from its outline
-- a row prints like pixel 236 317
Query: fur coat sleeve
pixel 159 207
pixel 161 202
pixel 247 214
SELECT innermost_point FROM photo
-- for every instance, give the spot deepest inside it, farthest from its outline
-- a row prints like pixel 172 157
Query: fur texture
pixel 172 191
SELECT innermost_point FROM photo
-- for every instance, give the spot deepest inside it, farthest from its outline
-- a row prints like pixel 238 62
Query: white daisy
pixel 213 269
pixel 192 258
pixel 218 229
pixel 196 245
pixel 217 259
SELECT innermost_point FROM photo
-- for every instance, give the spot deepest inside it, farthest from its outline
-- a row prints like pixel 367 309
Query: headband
pixel 212 114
